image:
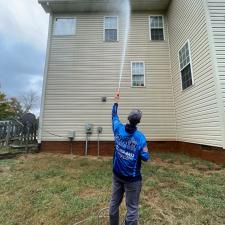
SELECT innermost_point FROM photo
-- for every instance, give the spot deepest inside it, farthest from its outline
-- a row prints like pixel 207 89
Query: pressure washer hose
pixel 98 217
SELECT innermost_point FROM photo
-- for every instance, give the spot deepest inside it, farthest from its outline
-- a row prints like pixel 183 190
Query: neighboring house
pixel 174 72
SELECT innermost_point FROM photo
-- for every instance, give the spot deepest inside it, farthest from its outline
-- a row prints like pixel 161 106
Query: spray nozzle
pixel 118 92
pixel 117 95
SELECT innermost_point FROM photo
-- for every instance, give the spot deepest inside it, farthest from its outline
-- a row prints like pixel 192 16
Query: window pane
pixel 160 21
pixel 184 56
pixel 110 22
pixel 133 68
pixel 65 26
pixel 138 77
pixel 138 69
pixel 141 68
pixel 156 21
pixel 157 34
pixel 138 74
pixel 186 77
pixel 186 46
pixel 110 35
pixel 138 83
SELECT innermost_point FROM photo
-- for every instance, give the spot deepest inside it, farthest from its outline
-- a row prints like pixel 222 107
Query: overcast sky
pixel 23 40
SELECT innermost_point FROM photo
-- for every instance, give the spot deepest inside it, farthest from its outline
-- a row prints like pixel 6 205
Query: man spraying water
pixel 130 149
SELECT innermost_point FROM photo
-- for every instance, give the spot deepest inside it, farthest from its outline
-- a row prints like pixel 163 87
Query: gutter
pixel 45 5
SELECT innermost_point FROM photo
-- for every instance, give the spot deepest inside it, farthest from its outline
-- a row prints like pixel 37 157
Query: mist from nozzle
pixel 126 12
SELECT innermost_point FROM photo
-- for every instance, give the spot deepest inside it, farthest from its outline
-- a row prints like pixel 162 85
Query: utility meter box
pixel 99 130
pixel 88 128
pixel 71 134
pixel 104 99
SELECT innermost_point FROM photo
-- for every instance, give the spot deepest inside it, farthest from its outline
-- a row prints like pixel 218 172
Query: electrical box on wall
pixel 99 130
pixel 88 128
pixel 104 99
pixel 71 134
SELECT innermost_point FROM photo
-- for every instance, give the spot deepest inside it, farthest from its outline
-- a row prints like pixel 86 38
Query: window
pixel 110 29
pixel 138 74
pixel 156 25
pixel 64 26
pixel 186 66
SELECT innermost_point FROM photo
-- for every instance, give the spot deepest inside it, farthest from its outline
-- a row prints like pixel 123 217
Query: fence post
pixel 8 130
pixel 26 137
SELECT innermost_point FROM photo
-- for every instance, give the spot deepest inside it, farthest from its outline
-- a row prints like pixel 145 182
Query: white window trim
pixel 131 65
pixel 64 17
pixel 150 30
pixel 117 38
pixel 192 73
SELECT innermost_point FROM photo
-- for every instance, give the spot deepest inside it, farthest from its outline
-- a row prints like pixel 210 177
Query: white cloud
pixel 24 21
pixel 35 84
pixel 23 40
pixel 32 83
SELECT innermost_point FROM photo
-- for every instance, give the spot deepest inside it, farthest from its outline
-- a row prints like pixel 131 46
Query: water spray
pixel 126 10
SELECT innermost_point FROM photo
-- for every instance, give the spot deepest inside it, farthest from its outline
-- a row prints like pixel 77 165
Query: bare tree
pixel 29 101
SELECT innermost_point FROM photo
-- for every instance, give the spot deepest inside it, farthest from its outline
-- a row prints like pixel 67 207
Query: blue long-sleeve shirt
pixel 130 149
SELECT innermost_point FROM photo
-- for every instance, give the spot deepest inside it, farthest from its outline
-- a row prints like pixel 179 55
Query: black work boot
pixel 131 222
pixel 114 219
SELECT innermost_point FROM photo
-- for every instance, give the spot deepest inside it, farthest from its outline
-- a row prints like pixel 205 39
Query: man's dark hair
pixel 135 117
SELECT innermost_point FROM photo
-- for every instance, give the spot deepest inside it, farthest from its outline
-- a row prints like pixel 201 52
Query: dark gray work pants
pixel 132 191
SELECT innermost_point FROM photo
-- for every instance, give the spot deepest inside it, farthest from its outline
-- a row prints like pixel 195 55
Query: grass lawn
pixel 47 189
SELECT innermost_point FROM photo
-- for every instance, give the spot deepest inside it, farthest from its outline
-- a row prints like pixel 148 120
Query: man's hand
pixel 145 149
pixel 117 96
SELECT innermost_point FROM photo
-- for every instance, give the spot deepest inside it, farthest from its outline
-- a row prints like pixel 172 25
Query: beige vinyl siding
pixel 83 68
pixel 197 110
pixel 40 126
pixel 217 16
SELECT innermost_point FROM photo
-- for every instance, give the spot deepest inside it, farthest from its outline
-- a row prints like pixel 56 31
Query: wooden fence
pixel 16 134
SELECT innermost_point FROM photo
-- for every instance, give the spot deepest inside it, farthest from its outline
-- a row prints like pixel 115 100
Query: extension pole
pixel 98 143
pixel 86 146
pixel 71 146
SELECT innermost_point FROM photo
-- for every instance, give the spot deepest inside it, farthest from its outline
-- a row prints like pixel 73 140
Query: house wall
pixel 83 68
pixel 197 109
pixel 216 14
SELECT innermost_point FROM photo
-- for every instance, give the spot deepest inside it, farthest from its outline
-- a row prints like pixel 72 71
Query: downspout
pixel 40 130
pixel 215 70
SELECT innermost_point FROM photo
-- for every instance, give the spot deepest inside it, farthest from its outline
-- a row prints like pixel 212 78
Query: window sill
pixel 64 36
pixel 110 41
pixel 137 86
pixel 157 40
pixel 188 88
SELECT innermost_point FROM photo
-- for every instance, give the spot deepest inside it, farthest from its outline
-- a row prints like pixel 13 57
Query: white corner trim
pixel 40 128
pixel 171 77
pixel 215 70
